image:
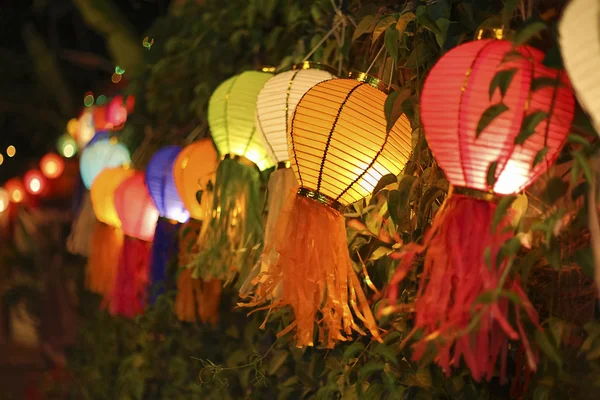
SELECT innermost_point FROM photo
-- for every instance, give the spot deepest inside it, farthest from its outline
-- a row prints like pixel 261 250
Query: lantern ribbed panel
pixel 102 194
pixel 99 156
pixel 276 103
pixel 193 169
pixel 456 94
pixel 579 30
pixel 338 144
pixel 231 117
pixel 135 208
pixel 161 184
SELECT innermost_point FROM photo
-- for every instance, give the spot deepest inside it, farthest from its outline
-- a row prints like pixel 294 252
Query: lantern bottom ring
pixel 283 165
pixel 477 194
pixel 169 220
pixel 320 198
pixel 241 159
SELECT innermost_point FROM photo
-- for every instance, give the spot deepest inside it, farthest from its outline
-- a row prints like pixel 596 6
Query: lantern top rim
pixel 369 80
pixel 308 65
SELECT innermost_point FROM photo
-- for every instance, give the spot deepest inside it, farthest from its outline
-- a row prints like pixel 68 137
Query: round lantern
pixel 481 161
pixel 4 200
pixel 52 165
pixel 98 136
pixel 138 217
pixel 194 175
pixel 236 231
pixel 102 154
pixel 231 118
pixel 66 146
pixel 102 194
pixel 116 112
pixel 339 149
pixel 579 30
pixel 35 182
pixel 161 184
pixel 15 189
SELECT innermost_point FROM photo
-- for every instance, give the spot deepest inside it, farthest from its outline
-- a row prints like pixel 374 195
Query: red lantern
pixel 138 217
pixel 488 143
pixel 35 182
pixel 52 165
pixel 116 112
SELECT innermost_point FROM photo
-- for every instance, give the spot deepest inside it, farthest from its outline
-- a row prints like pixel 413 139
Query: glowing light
pixel 66 146
pixel 101 100
pixel 116 78
pixel 147 43
pixel 52 165
pixel 119 70
pixel 17 196
pixel 1 159
pixel 15 189
pixel 4 200
pixel 11 151
pixel 88 100
pixel 34 181
pixel 72 127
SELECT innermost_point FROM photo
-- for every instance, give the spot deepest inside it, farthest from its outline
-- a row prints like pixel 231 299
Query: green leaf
pixel 394 199
pixel 585 259
pixel 391 41
pixel 541 338
pixel 443 24
pixel 530 122
pixel 491 174
pixel 557 327
pixel 382 26
pixel 489 115
pixel 509 9
pixel 403 22
pixel 420 54
pixel 503 205
pixel 487 297
pixel 277 360
pixel 582 162
pixel 512 296
pixel 574 138
pixel 380 252
pixel 424 19
pixel 386 352
pixel 393 106
pixel 530 30
pixel 366 25
pixel 539 156
pixel 501 81
pixel 352 351
pixel 392 337
pixel 555 189
pixel 543 82
pixel 369 369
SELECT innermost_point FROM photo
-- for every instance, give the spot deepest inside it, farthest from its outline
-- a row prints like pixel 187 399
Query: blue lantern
pixel 105 153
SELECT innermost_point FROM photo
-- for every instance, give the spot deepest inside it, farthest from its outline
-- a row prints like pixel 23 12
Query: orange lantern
pixel 482 158
pixel 107 238
pixel 339 149
pixel 35 182
pixel 138 216
pixel 15 189
pixel 52 165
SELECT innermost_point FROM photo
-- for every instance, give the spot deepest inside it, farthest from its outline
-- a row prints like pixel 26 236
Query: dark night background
pixel 31 116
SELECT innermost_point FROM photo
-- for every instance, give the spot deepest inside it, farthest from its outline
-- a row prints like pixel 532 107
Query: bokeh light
pixel 11 151
pixel 52 165
pixel 66 146
pixel 116 78
pixel 119 70
pixel 1 159
pixel 4 200
pixel 35 183
pixel 101 100
pixel 72 127
pixel 88 100
pixel 15 189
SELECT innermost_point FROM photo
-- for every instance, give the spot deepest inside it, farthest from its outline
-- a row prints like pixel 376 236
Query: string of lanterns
pixel 327 141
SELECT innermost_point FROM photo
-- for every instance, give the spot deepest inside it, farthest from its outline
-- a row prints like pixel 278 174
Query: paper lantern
pixel 103 194
pixel 35 182
pixel 579 36
pixel 106 241
pixel 4 200
pixel 116 112
pixel 339 149
pixel 98 136
pixel 85 128
pixel 161 185
pixel 236 229
pixel 276 103
pixel 15 189
pixel 454 98
pixel 66 146
pixel 99 156
pixel 231 118
pixel 52 165
pixel 194 175
pixel 138 217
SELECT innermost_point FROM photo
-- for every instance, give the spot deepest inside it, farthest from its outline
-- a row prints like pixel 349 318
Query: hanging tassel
pixel 455 273
pixel 128 296
pixel 78 241
pixel 316 274
pixel 231 244
pixel 281 182
pixel 105 249
pixel 164 248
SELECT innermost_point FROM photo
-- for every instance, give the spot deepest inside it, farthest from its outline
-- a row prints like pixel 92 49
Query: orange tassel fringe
pixel 105 247
pixel 316 274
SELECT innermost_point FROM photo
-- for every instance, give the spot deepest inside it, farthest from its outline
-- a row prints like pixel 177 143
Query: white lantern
pixel 579 31
pixel 278 99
